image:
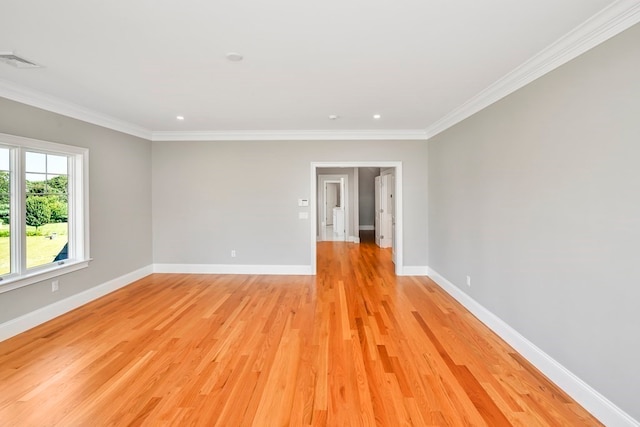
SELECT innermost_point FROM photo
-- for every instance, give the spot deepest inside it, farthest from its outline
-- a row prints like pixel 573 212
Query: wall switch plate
pixel 233 253
pixel 303 215
pixel 303 202
pixel 55 286
pixel 469 281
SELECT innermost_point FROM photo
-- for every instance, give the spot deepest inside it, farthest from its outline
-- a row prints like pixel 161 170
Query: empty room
pixel 286 213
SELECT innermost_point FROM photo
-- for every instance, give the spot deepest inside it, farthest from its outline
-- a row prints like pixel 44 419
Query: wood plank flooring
pixel 352 346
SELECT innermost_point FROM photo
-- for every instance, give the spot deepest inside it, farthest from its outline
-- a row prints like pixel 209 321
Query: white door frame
pixel 398 205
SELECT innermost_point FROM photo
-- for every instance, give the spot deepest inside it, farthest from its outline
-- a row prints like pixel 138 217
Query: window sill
pixel 11 283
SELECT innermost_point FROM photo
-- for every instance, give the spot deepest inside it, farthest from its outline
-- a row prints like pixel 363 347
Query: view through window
pixel 44 228
pixel 46 208
pixel 5 213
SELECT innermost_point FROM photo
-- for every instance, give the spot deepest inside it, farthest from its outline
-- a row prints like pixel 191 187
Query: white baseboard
pixel 594 402
pixel 353 239
pixel 292 270
pixel 414 270
pixel 30 320
pixel 367 227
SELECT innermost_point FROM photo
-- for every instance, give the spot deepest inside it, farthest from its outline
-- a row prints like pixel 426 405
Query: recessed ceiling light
pixel 333 117
pixel 234 56
pixel 180 117
pixel 377 116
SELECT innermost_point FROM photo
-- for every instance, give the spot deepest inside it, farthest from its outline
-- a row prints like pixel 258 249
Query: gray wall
pixel 537 198
pixel 366 195
pixel 120 202
pixel 211 197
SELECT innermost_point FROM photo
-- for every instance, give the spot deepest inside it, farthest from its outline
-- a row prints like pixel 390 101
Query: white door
pixel 384 211
pixel 392 209
pixel 331 200
pixel 376 221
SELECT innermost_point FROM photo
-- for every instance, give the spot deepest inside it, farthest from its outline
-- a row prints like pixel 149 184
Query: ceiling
pixel 136 65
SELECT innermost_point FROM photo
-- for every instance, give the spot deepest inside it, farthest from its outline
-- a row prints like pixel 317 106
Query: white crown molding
pixel 51 103
pixel 609 22
pixel 289 135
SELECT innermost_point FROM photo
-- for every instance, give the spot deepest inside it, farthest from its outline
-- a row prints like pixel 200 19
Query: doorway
pixel 333 205
pixel 317 197
pixel 333 225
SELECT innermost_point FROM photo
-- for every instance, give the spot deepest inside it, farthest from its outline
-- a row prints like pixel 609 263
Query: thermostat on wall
pixel 303 202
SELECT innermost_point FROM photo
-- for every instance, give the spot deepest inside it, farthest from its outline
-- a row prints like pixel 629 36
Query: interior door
pixel 376 220
pixel 386 233
pixel 384 211
pixel 331 201
pixel 392 209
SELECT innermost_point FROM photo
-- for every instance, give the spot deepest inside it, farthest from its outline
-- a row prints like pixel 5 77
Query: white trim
pixel 609 22
pixel 594 402
pixel 30 320
pixel 367 227
pixel 353 239
pixel 39 144
pixel 415 270
pixel 15 282
pixel 291 270
pixel 357 164
pixel 291 135
pixel 57 105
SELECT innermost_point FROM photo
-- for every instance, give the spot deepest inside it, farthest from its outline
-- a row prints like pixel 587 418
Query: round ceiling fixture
pixel 234 57
pixel 179 117
pixel 333 117
pixel 377 116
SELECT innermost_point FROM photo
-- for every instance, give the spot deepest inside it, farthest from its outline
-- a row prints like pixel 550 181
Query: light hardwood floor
pixel 353 346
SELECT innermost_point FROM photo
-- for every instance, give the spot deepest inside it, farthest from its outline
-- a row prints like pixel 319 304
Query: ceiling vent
pixel 17 61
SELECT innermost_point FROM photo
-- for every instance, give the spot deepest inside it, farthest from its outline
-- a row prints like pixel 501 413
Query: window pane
pixel 47 209
pixel 57 184
pixel 5 233
pixel 56 164
pixel 36 162
pixel 47 230
pixel 5 213
pixel 36 183
pixel 4 159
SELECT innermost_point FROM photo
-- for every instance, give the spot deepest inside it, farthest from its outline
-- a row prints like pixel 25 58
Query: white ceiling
pixel 140 63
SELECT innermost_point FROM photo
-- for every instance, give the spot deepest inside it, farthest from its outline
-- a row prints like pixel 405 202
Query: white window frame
pixel 78 203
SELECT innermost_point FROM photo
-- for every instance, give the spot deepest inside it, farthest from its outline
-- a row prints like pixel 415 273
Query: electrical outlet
pixel 233 253
pixel 469 281
pixel 54 286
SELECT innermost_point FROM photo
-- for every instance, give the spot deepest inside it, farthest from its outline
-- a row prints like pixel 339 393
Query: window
pixel 43 210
